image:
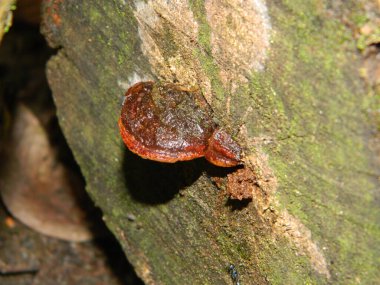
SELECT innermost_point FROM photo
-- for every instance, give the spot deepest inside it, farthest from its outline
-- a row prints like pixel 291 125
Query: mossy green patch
pixel 204 53
pixel 314 112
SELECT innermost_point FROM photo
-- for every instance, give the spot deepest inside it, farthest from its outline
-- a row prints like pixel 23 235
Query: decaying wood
pixel 284 78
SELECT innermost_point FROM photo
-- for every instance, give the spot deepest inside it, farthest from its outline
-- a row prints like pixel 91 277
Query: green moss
pixel 295 272
pixel 94 14
pixel 359 19
pixel 203 53
pixel 120 59
pixel 369 39
pixel 318 152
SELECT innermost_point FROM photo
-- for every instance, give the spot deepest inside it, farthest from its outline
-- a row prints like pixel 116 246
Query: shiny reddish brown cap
pixel 167 123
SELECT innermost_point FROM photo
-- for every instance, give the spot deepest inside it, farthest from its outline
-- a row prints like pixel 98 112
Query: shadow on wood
pixel 153 182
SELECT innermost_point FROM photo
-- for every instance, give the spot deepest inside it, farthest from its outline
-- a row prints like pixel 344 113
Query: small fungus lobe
pixel 166 122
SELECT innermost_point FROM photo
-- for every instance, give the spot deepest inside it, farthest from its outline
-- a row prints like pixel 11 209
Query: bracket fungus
pixel 168 123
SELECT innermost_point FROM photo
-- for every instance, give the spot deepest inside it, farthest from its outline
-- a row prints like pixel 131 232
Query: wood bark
pixel 284 78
